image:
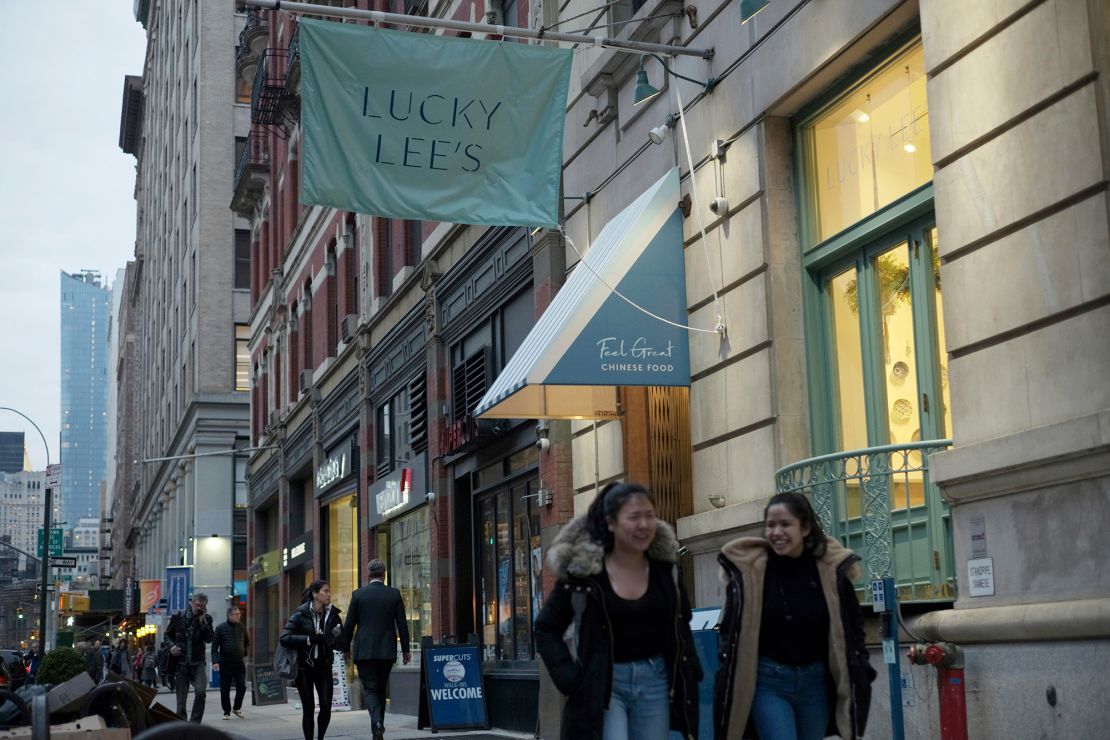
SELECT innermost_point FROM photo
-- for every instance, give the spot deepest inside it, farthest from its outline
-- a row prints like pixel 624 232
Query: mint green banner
pixel 432 128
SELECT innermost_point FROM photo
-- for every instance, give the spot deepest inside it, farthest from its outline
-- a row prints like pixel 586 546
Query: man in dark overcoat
pixel 375 618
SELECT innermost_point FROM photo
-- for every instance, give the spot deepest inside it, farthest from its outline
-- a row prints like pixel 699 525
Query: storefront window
pixel 871 147
pixel 342 550
pixel 410 572
pixel 509 578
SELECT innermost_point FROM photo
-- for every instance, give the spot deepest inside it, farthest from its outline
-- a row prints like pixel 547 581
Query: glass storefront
pixel 410 571
pixel 342 562
pixel 509 578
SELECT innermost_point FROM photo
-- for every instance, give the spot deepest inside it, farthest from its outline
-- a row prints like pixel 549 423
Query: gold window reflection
pixel 343 550
pixel 872 147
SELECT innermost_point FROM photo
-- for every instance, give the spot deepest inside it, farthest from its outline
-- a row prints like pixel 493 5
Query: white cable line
pixel 626 299
pixel 720 327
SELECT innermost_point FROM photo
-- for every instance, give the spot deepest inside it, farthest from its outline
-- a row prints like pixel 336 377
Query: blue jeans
pixel 791 702
pixel 640 705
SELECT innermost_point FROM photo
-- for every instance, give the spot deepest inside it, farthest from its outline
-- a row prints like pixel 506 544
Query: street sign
pixel 49 589
pixel 63 562
pixel 55 541
pixel 54 476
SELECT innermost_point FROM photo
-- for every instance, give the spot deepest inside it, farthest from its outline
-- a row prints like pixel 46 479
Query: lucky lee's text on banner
pixel 423 127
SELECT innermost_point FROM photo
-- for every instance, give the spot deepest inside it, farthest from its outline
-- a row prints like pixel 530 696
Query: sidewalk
pixel 283 722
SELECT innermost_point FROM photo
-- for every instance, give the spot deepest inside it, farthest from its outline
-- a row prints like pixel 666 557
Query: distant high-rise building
pixel 21 510
pixel 85 310
pixel 11 452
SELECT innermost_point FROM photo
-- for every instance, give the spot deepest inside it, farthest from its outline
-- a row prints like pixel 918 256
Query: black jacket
pixel 743 563
pixel 585 676
pixel 94 664
pixel 300 627
pixel 230 643
pixel 375 617
pixel 202 633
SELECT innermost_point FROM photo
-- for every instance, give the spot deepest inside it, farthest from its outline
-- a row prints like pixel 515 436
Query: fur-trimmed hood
pixel 744 552
pixel 575 553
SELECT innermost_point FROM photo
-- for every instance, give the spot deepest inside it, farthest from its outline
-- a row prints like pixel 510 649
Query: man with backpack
pixel 188 633
pixel 229 649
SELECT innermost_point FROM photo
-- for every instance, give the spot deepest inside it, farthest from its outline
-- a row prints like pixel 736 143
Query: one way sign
pixel 63 562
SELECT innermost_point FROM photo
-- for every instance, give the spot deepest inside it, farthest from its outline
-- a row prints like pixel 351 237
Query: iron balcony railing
pixel 268 87
pixel 254 153
pixel 244 48
pixel 881 503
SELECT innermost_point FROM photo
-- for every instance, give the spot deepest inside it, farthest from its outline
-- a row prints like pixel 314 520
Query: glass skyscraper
pixel 85 377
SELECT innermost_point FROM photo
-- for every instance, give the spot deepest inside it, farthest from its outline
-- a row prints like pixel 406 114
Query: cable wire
pixel 622 296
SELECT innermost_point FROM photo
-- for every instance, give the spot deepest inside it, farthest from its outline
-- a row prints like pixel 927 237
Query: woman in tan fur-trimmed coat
pixel 793 663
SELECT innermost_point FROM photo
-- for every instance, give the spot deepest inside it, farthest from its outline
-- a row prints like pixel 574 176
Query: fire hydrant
pixel 948 659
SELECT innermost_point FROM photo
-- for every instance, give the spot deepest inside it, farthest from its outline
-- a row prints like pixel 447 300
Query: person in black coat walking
pixel 188 632
pixel 375 617
pixel 94 661
pixel 229 649
pixel 627 665
pixel 313 630
pixel 794 665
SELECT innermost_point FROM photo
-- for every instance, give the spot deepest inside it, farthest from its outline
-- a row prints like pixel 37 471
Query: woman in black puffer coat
pixel 313 630
pixel 627 665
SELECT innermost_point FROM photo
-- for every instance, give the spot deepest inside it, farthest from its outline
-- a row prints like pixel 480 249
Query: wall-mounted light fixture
pixel 645 91
pixel 717 500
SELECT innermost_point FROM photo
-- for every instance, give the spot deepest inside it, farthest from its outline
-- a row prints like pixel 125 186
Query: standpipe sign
pixel 432 128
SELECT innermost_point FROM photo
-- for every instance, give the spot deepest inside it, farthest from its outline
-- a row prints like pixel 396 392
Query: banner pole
pixel 633 47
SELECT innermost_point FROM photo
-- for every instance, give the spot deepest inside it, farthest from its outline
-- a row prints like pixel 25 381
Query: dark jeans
pixel 195 674
pixel 316 677
pixel 374 677
pixel 791 702
pixel 229 672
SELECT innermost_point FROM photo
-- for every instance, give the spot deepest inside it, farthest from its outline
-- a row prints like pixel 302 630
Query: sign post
pixel 268 687
pixel 453 688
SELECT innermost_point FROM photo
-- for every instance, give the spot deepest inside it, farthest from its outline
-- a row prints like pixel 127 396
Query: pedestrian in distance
pixel 793 661
pixel 120 660
pixel 313 630
pixel 375 619
pixel 615 631
pixel 229 651
pixel 149 668
pixel 137 665
pixel 94 661
pixel 188 632
pixel 33 664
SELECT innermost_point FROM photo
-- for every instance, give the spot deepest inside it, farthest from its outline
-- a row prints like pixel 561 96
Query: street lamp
pixel 48 495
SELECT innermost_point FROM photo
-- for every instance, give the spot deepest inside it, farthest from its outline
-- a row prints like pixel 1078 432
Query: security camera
pixel 543 443
pixel 430 497
pixel 719 205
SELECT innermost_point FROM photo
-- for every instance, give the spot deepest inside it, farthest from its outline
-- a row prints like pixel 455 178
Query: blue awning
pixel 590 340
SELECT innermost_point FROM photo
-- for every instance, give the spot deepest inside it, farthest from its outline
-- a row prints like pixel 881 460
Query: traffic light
pixel 19 612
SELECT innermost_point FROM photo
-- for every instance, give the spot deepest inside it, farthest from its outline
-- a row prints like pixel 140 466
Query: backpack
pixel 285 662
pixel 150 661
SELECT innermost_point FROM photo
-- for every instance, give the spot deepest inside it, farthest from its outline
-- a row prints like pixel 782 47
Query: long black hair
pixel 799 506
pixel 605 507
pixel 312 590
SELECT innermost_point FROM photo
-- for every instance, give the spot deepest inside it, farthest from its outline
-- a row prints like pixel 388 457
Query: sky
pixel 66 188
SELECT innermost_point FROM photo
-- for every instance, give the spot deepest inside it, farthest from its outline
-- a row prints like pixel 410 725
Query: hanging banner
pixel 150 593
pixel 432 128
